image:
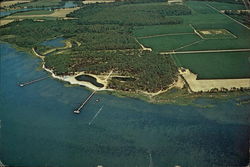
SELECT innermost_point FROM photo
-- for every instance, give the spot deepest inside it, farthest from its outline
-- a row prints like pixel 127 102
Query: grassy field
pixel 216 65
pixel 227 6
pixel 203 18
pixel 169 43
pixel 34 12
pixel 142 31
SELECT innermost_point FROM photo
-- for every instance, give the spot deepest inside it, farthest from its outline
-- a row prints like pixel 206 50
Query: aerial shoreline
pixel 100 79
pixel 183 96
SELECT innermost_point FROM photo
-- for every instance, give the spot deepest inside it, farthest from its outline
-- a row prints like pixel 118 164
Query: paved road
pixel 206 51
pixel 162 35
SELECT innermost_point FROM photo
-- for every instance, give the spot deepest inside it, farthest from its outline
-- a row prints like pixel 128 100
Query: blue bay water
pixel 68 4
pixel 38 127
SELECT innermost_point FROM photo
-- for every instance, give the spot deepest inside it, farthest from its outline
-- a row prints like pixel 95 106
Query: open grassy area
pixel 207 22
pixel 142 31
pixel 169 43
pixel 216 65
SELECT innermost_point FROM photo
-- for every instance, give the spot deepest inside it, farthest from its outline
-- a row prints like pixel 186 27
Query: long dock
pixel 77 111
pixel 33 81
pixel 85 102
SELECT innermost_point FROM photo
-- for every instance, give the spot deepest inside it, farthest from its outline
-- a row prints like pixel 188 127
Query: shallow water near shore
pixel 68 4
pixel 38 127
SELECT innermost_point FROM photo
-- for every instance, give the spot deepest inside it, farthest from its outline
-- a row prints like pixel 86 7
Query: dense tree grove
pixel 152 72
pixel 131 14
pixel 102 41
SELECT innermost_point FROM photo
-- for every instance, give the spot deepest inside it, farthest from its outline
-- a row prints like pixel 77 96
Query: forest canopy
pixel 101 40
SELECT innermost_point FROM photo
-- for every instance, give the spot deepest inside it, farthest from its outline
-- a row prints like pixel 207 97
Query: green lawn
pixel 34 12
pixel 216 65
pixel 169 43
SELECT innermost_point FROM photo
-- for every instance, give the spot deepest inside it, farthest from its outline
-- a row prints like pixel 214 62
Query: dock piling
pixel 33 81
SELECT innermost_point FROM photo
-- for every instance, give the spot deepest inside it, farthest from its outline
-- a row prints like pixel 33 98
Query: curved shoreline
pixel 101 79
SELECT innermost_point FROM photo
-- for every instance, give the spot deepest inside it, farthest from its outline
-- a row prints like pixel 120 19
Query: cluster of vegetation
pixel 152 72
pixel 102 41
pixel 106 41
pixel 29 33
pixel 131 14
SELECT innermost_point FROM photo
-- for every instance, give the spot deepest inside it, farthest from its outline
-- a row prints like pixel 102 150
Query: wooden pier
pixel 84 103
pixel 33 81
pixel 77 111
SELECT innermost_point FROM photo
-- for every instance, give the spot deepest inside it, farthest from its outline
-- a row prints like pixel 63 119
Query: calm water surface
pixel 38 127
pixel 68 4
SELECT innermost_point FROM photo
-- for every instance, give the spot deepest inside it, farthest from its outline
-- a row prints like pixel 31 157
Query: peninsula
pixel 145 44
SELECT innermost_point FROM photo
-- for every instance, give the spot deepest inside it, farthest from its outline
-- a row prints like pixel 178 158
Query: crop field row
pixel 216 65
pixel 209 30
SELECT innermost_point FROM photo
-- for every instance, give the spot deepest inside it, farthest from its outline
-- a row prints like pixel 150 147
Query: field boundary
pixel 228 16
pixel 205 51
pixel 162 35
pixel 193 43
pixel 196 32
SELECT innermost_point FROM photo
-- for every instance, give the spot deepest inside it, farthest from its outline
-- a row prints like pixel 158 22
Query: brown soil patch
pixel 4 22
pixel 9 3
pixel 57 13
pixel 207 85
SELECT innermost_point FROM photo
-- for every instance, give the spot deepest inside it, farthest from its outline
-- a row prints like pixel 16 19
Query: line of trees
pixel 131 14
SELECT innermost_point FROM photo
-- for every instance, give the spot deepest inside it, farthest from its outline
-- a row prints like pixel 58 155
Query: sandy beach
pixel 207 85
pixel 103 79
